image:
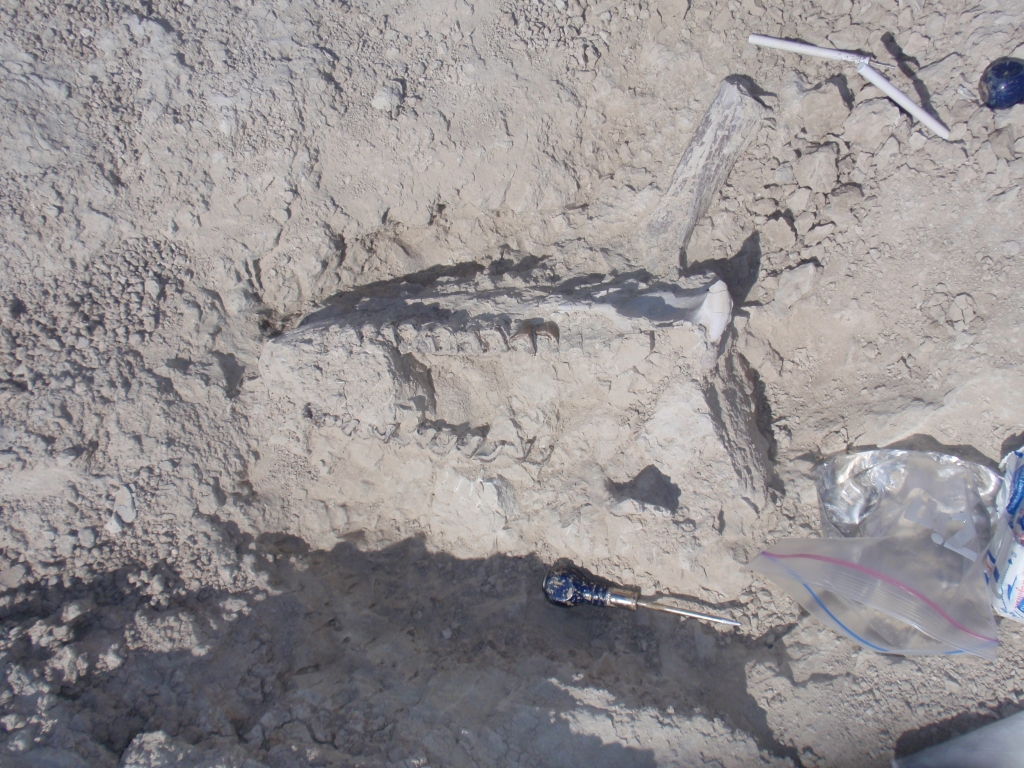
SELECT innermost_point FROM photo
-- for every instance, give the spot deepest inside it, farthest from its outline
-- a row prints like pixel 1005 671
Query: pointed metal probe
pixel 568 586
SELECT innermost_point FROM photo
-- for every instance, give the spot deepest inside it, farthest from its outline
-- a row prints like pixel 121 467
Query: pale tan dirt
pixel 200 569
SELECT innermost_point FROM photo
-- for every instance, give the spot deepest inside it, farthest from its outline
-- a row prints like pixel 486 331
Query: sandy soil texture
pixel 226 540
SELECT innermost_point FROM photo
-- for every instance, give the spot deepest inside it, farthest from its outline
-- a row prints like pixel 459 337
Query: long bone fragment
pixel 729 124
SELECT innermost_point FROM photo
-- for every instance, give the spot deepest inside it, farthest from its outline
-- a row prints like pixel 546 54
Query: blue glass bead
pixel 1002 83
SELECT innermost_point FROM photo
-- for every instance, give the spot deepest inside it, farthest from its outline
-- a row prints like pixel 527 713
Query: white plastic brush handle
pixel 808 50
pixel 879 80
pixel 873 76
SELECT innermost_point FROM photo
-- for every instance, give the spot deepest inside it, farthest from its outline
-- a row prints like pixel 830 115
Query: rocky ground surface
pixel 199 572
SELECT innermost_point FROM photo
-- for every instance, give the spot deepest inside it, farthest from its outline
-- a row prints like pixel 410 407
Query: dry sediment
pixel 194 572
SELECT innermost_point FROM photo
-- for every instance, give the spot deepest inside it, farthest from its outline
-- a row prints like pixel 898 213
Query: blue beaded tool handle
pixel 568 586
pixel 1002 83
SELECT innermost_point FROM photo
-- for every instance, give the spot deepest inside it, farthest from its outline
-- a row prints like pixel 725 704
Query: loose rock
pixel 778 235
pixel 870 124
pixel 124 504
pixel 817 170
pixel 389 96
pixel 822 112
pixel 794 284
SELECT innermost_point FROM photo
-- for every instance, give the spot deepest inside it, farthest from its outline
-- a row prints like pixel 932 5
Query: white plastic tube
pixel 808 50
pixel 873 76
pixel 879 80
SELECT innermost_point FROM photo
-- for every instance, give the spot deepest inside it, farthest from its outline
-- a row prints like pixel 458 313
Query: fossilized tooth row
pixel 437 339
pixel 365 370
pixel 433 338
pixel 467 322
pixel 441 440
pixel 427 337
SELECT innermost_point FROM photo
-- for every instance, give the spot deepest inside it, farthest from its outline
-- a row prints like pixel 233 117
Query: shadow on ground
pixel 373 658
pixel 936 733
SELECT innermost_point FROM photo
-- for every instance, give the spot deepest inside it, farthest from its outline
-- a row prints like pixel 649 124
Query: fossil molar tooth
pixel 546 336
pixel 445 341
pixel 469 342
pixel 523 338
pixel 493 341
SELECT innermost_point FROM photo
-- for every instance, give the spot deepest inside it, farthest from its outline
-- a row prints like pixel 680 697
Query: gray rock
pixel 389 96
pixel 799 200
pixel 124 504
pixel 1010 118
pixel 822 112
pixel 794 284
pixel 817 170
pixel 1002 141
pixel 778 235
pixel 784 174
pixel 841 204
pixel 804 222
pixel 870 124
pixel 11 578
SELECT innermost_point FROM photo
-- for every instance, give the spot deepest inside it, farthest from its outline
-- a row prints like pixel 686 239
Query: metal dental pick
pixel 568 586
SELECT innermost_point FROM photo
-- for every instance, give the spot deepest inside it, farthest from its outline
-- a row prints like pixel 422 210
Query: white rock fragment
pixel 10 578
pixel 13 722
pixel 114 525
pixel 870 124
pixel 817 234
pixel 124 504
pixel 87 538
pixel 110 658
pixel 778 235
pixel 817 170
pixel 794 284
pixel 822 111
pixel 714 311
pixel 389 96
pixel 799 200
pixel 21 742
pixel 804 222
pixel 76 609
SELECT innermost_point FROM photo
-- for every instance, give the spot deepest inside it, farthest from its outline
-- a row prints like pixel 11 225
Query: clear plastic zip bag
pixel 902 566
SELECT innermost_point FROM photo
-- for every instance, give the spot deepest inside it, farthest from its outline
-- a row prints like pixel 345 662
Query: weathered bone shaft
pixel 727 127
